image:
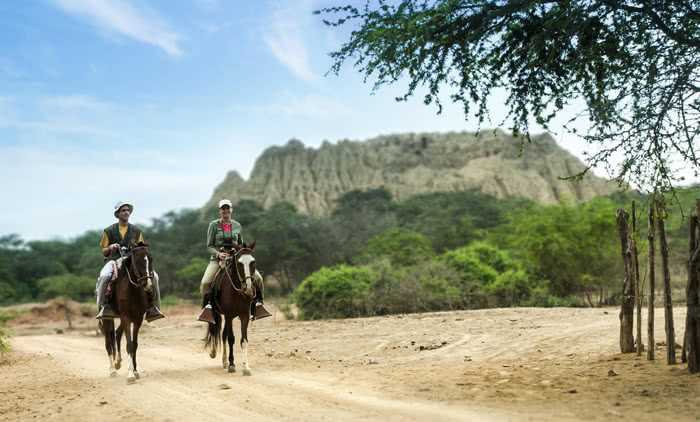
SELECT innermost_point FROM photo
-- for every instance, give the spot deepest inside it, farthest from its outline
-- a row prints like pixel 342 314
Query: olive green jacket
pixel 217 237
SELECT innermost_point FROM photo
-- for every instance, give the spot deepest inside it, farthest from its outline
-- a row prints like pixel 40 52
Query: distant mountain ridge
pixel 410 164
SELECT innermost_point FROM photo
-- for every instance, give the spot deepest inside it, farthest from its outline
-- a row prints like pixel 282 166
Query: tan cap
pixel 225 202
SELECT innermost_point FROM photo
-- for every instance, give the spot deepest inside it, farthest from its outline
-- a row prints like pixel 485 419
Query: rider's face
pixel 225 211
pixel 124 213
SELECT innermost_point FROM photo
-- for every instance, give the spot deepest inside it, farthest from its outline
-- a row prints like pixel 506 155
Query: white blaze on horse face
pixel 149 282
pixel 246 260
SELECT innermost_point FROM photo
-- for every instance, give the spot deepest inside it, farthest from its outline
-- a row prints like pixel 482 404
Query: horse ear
pixel 252 245
pixel 132 244
pixel 145 242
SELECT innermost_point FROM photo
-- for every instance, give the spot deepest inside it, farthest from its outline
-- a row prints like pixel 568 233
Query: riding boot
pixel 257 309
pixel 105 309
pixel 154 312
pixel 207 314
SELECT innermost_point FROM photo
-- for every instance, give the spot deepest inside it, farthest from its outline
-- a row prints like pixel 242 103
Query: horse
pixel 234 299
pixel 130 300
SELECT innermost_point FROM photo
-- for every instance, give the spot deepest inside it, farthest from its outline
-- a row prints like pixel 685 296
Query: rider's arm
pixel 211 238
pixel 106 249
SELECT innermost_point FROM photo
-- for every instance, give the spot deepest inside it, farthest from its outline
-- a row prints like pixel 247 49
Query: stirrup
pixel 207 315
pixel 106 313
pixel 153 314
pixel 260 311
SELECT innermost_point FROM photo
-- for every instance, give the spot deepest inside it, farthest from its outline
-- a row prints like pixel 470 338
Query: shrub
pixel 336 292
pixel 79 288
pixel 170 300
pixel 4 335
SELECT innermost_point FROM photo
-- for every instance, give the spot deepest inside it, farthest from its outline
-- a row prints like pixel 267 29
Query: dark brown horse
pixel 234 299
pixel 130 300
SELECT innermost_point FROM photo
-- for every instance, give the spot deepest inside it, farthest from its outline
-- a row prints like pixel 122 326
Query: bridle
pixel 139 278
pixel 241 278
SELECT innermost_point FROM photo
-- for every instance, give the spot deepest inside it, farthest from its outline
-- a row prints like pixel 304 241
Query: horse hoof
pixel 117 365
pixel 247 372
pixel 130 380
pixel 231 369
pixel 137 375
pixel 113 374
pixel 212 354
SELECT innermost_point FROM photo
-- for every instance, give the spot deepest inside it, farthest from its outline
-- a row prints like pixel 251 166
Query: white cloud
pixel 121 17
pixel 75 102
pixel 285 39
pixel 71 183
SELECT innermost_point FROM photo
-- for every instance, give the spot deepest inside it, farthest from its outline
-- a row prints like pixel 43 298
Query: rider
pixel 225 231
pixel 115 237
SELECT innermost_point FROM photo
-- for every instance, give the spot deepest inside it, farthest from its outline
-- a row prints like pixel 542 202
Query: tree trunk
pixel 668 304
pixel 627 311
pixel 692 326
pixel 650 322
pixel 637 288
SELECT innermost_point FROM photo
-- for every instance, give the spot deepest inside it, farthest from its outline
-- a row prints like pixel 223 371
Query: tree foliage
pixel 572 249
pixel 400 246
pixel 633 63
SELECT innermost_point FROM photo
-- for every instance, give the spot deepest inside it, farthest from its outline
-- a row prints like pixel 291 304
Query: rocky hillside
pixel 410 164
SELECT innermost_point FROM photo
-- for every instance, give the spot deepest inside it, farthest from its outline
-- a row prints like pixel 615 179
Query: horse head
pixel 244 261
pixel 141 265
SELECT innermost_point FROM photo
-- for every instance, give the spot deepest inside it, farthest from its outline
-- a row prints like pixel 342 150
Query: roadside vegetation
pixel 374 256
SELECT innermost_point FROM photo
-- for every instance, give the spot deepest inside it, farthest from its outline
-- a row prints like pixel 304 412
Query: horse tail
pixel 213 335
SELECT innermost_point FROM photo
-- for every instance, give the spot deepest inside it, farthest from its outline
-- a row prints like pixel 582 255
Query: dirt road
pixel 498 364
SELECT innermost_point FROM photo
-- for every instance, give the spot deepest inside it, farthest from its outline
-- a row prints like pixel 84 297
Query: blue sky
pixel 153 102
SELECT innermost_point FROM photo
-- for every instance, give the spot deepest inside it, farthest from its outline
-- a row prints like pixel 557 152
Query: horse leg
pixel 107 328
pixel 224 337
pixel 118 349
pixel 135 342
pixel 231 342
pixel 129 331
pixel 244 343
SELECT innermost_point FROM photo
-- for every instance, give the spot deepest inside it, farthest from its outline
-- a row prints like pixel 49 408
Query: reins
pixel 139 279
pixel 238 274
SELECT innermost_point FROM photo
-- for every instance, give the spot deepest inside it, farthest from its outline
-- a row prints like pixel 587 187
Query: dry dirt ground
pixel 497 364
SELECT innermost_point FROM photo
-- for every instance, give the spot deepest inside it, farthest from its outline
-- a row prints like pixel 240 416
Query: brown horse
pixel 130 300
pixel 234 300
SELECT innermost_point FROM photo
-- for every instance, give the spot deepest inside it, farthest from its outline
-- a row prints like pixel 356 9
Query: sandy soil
pixel 498 364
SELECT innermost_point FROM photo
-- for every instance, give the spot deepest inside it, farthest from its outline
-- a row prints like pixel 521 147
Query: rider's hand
pixel 114 246
pixel 223 255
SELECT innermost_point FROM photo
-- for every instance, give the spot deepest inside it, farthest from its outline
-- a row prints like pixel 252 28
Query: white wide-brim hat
pixel 225 202
pixel 120 204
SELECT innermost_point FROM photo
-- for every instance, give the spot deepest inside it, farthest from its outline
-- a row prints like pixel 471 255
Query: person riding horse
pixel 224 232
pixel 116 237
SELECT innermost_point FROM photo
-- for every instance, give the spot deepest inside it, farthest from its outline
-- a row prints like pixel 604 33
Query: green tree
pixel 635 64
pixel 190 276
pixel 573 249
pixel 400 246
pixel 360 215
pixel 80 288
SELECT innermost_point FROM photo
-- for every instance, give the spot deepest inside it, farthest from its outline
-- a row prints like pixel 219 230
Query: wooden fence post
pixel 627 310
pixel 637 288
pixel 691 343
pixel 650 317
pixel 668 303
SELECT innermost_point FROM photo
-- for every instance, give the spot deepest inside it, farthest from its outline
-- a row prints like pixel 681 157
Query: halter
pixel 139 279
pixel 238 274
